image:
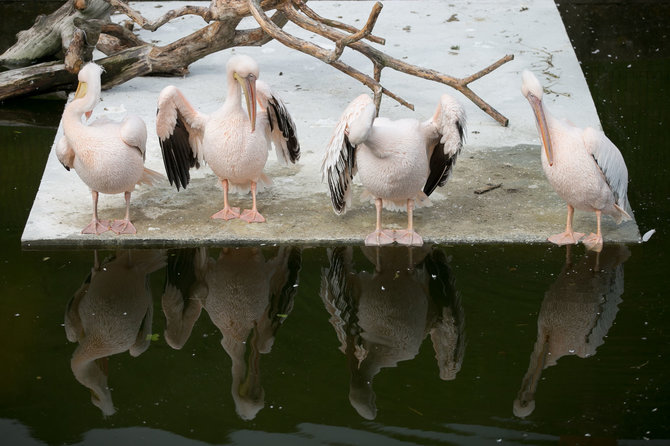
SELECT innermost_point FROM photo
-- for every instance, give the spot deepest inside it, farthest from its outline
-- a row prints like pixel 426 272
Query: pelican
pixel 111 313
pixel 247 297
pixel 399 163
pixel 235 145
pixel 577 312
pixel 108 156
pixel 382 318
pixel 582 165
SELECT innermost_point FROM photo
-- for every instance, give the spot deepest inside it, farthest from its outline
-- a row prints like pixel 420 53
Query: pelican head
pixel 532 90
pixel 522 409
pixel 88 89
pixel 245 71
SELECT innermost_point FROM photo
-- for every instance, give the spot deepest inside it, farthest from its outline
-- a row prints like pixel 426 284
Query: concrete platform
pixel 457 38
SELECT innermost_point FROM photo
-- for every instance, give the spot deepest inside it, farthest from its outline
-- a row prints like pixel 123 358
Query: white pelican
pixel 111 313
pixel 577 312
pixel 582 165
pixel 381 318
pixel 247 297
pixel 399 163
pixel 108 156
pixel 234 144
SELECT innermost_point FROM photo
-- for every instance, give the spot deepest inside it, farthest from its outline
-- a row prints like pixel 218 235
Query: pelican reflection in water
pixel 576 314
pixel 247 296
pixel 111 313
pixel 382 317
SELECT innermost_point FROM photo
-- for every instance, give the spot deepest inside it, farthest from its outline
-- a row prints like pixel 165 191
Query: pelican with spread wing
pixel 233 143
pixel 582 165
pixel 399 163
pixel 108 156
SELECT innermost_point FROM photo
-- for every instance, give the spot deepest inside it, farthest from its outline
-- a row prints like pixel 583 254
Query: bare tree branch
pixel 383 60
pixel 309 12
pixel 125 36
pixel 129 56
pixel 364 32
pixel 316 51
pixel 136 17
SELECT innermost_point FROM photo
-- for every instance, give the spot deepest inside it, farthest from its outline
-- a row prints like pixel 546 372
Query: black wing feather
pixel 181 270
pixel 178 156
pixel 442 164
pixel 339 179
pixel 440 168
pixel 286 125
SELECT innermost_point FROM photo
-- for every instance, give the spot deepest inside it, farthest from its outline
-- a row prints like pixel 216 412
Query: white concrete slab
pixel 458 38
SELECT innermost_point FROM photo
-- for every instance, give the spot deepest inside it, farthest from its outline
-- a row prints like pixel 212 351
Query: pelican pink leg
pixel 96 226
pixel 569 237
pixel 124 226
pixel 227 213
pixel 379 236
pixel 252 215
pixel 594 242
pixel 409 237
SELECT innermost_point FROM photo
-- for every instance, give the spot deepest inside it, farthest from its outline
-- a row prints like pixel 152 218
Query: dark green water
pixel 315 355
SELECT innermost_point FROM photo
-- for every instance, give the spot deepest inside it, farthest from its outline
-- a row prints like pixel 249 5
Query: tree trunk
pixel 51 35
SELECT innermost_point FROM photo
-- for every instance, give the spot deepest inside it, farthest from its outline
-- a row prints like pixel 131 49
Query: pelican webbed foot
pixel 227 213
pixel 566 238
pixel 379 238
pixel 593 242
pixel 408 238
pixel 123 227
pixel 96 227
pixel 252 216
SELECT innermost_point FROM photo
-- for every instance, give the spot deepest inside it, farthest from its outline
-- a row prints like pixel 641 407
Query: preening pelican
pixel 111 313
pixel 577 312
pixel 233 143
pixel 108 156
pixel 399 163
pixel 582 165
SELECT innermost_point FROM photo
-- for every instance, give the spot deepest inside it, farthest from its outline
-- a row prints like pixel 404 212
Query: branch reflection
pixel 246 296
pixel 110 313
pixel 381 318
pixel 576 314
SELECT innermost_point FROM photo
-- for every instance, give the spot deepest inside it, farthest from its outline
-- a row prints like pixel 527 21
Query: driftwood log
pixel 78 26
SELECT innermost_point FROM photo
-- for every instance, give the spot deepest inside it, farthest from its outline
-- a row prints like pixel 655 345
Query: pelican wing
pixel 65 153
pixel 74 329
pixel 339 162
pixel 339 291
pixel 448 330
pixel 608 283
pixel 284 284
pixel 283 133
pixel 133 131
pixel 180 130
pixel 611 163
pixel 185 289
pixel 448 123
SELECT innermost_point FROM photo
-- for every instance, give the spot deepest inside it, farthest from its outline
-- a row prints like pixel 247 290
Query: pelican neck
pixel 234 97
pixel 73 113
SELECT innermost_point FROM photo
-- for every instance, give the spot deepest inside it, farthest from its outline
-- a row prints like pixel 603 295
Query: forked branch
pixel 316 51
pixel 130 56
pixel 358 35
pixel 136 17
pixel 382 60
pixel 309 12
